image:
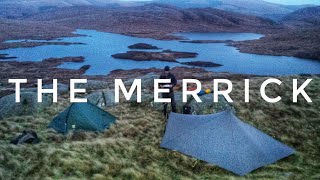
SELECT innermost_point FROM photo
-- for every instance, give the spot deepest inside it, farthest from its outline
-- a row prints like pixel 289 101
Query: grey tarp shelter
pixel 82 116
pixel 224 140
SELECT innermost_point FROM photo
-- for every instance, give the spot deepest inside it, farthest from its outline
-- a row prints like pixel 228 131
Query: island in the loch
pixel 142 46
pixel 166 55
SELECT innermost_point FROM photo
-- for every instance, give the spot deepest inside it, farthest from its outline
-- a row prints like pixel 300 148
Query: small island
pixel 166 55
pixel 142 46
pixel 206 41
pixel 201 64
pixel 5 56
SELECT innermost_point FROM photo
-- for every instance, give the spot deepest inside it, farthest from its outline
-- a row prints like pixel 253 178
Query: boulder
pixel 28 105
pixel 109 98
pixel 96 98
pixel 146 81
pixel 92 85
pixel 62 88
pixel 102 98
pixel 207 106
pixel 178 100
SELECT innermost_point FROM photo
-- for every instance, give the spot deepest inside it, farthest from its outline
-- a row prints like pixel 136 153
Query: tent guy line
pixel 136 86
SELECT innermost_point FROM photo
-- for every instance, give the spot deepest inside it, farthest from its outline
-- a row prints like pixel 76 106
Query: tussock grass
pixel 130 149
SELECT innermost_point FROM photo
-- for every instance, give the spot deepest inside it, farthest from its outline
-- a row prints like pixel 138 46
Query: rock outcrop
pixel 102 98
pixel 27 106
pixel 207 106
pixel 92 85
pixel 147 81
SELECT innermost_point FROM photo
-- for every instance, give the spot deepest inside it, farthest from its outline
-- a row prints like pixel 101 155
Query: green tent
pixel 82 116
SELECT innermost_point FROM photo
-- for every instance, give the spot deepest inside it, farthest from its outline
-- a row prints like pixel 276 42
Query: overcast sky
pixel 290 2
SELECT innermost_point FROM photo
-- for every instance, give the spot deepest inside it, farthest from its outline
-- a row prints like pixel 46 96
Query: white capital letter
pixel 263 90
pixel 136 85
pixel 297 91
pixel 225 93
pixel 157 90
pixel 17 82
pixel 53 91
pixel 194 93
pixel 73 90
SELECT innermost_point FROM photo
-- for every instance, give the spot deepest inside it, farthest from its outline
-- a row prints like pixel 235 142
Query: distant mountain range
pixel 19 8
pixel 154 19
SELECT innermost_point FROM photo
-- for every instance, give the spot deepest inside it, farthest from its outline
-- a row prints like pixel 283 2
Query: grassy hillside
pixel 20 8
pixel 306 17
pixel 17 29
pixel 130 149
pixel 303 43
pixel 301 39
pixel 252 7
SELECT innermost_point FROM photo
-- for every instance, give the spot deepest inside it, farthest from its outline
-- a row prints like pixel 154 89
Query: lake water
pixel 99 47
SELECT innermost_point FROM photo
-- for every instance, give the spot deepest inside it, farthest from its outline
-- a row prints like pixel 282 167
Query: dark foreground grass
pixel 130 149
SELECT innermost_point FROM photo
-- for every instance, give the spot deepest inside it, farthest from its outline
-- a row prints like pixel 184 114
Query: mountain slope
pixel 19 8
pixel 252 7
pixel 17 29
pixel 306 17
pixel 152 20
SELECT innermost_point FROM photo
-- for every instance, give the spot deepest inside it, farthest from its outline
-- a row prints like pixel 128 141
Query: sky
pixel 288 2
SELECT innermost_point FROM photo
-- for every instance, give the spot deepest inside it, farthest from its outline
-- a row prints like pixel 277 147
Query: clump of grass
pixel 130 148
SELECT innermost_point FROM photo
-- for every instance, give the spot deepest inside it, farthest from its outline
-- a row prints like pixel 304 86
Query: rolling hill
pixel 20 29
pixel 154 20
pixel 251 7
pixel 306 17
pixel 19 8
